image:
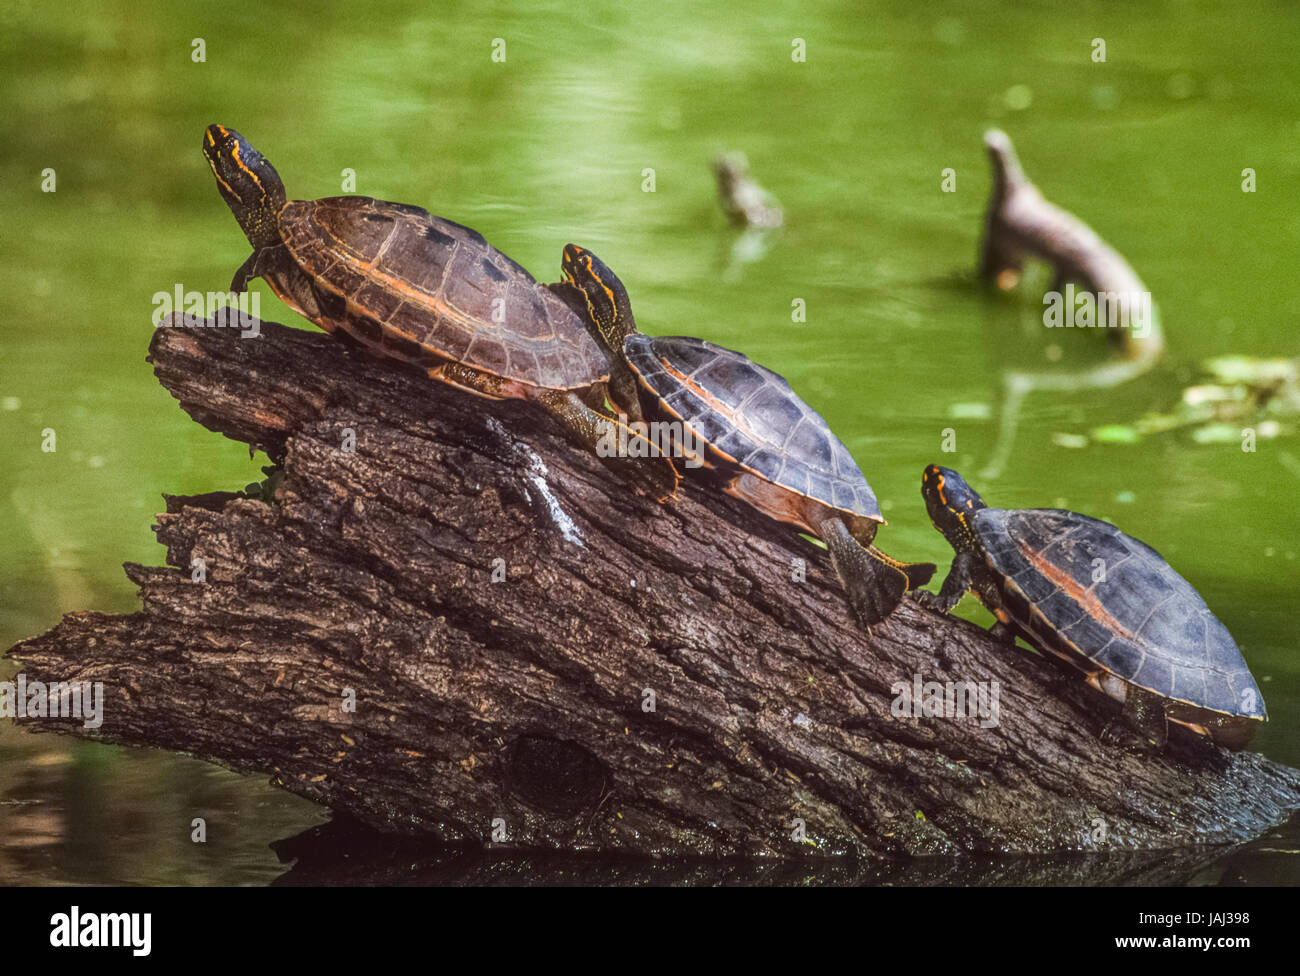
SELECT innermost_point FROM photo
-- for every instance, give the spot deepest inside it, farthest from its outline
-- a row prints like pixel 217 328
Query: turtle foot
pixel 655 478
pixel 873 582
pixel 1142 726
pixel 930 600
pixel 1121 735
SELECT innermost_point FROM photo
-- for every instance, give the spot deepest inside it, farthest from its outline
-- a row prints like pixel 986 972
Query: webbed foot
pixel 873 581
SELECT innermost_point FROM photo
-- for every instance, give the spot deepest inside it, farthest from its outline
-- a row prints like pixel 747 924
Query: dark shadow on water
pixel 345 853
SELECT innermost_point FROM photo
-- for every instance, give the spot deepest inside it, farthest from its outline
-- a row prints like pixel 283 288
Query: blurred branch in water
pixel 749 207
pixel 441 619
pixel 1021 223
pixel 745 203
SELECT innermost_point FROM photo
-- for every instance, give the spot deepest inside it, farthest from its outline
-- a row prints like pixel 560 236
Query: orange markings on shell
pixel 394 276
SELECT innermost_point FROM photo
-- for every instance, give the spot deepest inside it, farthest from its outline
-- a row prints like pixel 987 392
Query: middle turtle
pixel 762 442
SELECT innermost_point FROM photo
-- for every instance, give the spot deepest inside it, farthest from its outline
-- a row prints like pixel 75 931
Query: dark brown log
pixel 522 702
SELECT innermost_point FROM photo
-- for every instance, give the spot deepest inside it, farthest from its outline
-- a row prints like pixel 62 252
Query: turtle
pixel 749 432
pixel 410 286
pixel 1087 594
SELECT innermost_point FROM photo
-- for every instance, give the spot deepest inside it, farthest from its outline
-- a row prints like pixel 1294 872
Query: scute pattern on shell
pixel 1147 624
pixel 426 283
pixel 751 414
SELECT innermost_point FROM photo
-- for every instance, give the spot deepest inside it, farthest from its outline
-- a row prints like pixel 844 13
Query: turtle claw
pixel 929 600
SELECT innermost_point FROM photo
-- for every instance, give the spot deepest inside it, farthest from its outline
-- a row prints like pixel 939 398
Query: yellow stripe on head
pixel 234 154
pixel 229 188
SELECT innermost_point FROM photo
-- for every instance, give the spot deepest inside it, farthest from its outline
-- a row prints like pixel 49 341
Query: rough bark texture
pixel 522 701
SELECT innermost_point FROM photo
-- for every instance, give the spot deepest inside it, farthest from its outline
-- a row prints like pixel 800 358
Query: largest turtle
pixel 755 437
pixel 422 289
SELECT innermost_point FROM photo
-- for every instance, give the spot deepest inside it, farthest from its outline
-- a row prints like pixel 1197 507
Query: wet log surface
pixel 516 713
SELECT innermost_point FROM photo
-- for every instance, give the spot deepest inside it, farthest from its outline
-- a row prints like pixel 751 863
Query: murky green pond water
pixel 552 146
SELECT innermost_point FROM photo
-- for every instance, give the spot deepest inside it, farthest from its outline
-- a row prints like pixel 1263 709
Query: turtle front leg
pixel 615 443
pixel 246 273
pixel 960 578
pixel 571 295
pixel 262 262
pixel 623 391
pixel 289 282
pixel 873 582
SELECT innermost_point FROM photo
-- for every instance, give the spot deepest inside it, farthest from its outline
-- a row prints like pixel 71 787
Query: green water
pixel 551 146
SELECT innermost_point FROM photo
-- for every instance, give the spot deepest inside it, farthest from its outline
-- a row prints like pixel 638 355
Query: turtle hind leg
pixel 652 471
pixel 918 574
pixel 873 582
pixel 1142 725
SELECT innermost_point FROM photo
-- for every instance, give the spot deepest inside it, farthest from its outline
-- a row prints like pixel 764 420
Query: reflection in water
pixel 748 246
pixel 1018 385
pixel 343 852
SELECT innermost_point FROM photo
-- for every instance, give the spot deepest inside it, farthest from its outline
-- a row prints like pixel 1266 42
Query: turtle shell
pixel 427 289
pixel 750 417
pixel 1141 621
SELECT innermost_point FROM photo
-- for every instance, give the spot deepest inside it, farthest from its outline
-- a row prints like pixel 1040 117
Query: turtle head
pixel 608 307
pixel 248 183
pixel 951 502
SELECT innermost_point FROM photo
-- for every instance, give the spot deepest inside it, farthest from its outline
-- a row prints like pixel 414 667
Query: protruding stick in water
pixel 1020 222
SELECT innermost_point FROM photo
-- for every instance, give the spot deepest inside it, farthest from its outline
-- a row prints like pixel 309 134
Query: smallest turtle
pixel 1136 629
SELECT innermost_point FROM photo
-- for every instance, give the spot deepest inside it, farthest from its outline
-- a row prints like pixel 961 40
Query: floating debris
pixel 1115 434
pixel 1247 393
pixel 1072 441
pixel 1020 224
pixel 970 411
